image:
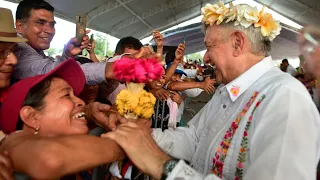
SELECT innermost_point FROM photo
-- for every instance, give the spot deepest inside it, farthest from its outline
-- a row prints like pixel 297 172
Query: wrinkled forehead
pixel 211 35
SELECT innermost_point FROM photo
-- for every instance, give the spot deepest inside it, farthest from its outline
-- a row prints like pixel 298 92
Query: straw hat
pixel 7 30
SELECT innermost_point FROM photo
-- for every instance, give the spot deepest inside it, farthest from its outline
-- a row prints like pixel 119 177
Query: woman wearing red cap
pixel 44 109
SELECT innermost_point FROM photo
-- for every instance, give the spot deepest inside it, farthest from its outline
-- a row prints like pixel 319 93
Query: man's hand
pixel 180 52
pixel 6 166
pixel 72 50
pixel 103 116
pixel 176 97
pixel 208 85
pixel 90 47
pixel 140 147
pixel 158 38
pixel 161 94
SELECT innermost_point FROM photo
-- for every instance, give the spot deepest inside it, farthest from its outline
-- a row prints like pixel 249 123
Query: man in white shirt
pixel 260 124
pixel 289 68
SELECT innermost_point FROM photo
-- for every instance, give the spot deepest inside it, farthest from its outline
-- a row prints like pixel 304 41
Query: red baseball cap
pixel 69 70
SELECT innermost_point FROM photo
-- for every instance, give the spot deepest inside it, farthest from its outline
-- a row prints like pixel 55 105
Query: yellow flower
pixel 138 110
pixel 147 113
pixel 140 103
pixel 269 27
pixel 214 14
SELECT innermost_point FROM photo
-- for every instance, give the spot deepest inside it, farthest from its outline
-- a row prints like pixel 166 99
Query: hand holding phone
pixel 91 38
pixel 81 22
pixel 184 40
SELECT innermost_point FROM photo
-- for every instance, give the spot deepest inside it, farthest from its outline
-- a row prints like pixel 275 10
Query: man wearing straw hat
pixel 8 41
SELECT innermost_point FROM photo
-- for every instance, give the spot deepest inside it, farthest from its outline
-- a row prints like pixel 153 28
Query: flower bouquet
pixel 134 102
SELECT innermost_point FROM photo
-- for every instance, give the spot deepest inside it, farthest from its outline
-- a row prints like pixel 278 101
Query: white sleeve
pixel 285 143
pixel 181 143
pixel 191 72
pixel 192 92
pixel 291 70
pixel 182 171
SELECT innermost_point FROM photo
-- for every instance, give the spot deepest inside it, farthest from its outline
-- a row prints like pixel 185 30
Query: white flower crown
pixel 243 15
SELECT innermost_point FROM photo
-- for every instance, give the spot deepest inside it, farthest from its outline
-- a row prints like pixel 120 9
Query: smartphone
pixel 81 22
pixel 91 38
pixel 184 39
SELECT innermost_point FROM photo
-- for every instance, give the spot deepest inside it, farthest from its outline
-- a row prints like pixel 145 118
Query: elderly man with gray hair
pixel 260 124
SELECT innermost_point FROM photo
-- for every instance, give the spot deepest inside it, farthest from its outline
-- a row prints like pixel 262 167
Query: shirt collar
pixel 239 85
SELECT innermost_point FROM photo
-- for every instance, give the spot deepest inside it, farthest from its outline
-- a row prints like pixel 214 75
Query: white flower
pixel 246 16
pixel 243 15
pixel 214 14
pixel 275 32
pixel 232 13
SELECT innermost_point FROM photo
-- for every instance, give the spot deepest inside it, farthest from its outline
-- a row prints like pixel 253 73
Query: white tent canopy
pixel 138 18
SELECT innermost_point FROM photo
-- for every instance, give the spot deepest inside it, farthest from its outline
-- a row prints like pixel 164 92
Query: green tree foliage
pixel 195 57
pixel 101 45
pixel 53 52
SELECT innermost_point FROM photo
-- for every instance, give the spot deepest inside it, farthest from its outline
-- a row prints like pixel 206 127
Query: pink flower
pixel 137 70
pixel 240 165
pixel 250 118
pixel 245 134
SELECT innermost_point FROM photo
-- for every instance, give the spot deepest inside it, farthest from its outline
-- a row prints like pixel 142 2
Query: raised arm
pixel 158 39
pixel 54 157
pixel 178 59
pixel 206 85
pixel 92 55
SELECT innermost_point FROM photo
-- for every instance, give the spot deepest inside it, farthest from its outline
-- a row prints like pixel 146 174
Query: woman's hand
pixel 6 166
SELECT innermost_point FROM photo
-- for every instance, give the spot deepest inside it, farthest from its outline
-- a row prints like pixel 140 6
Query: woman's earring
pixel 37 131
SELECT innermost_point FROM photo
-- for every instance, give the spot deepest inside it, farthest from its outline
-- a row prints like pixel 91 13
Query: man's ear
pixel 238 43
pixel 29 116
pixel 19 26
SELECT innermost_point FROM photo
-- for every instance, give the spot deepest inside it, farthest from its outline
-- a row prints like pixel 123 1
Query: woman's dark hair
pixel 24 8
pixel 170 56
pixel 35 98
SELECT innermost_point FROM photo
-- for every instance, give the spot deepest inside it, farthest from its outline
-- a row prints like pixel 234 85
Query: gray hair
pixel 259 43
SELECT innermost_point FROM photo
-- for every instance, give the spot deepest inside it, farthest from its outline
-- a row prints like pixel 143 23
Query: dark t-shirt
pixel 160 117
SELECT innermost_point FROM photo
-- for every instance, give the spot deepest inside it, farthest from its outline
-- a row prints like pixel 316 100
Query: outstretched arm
pixel 54 157
pixel 178 59
pixel 207 85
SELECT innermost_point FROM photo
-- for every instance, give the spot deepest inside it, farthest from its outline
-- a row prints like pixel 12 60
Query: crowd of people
pixel 261 123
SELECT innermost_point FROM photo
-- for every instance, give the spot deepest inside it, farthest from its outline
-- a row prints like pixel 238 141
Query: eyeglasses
pixel 5 54
pixel 7 49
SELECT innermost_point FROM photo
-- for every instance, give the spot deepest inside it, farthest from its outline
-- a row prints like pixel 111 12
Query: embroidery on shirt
pixel 235 90
pixel 221 153
pixel 244 143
